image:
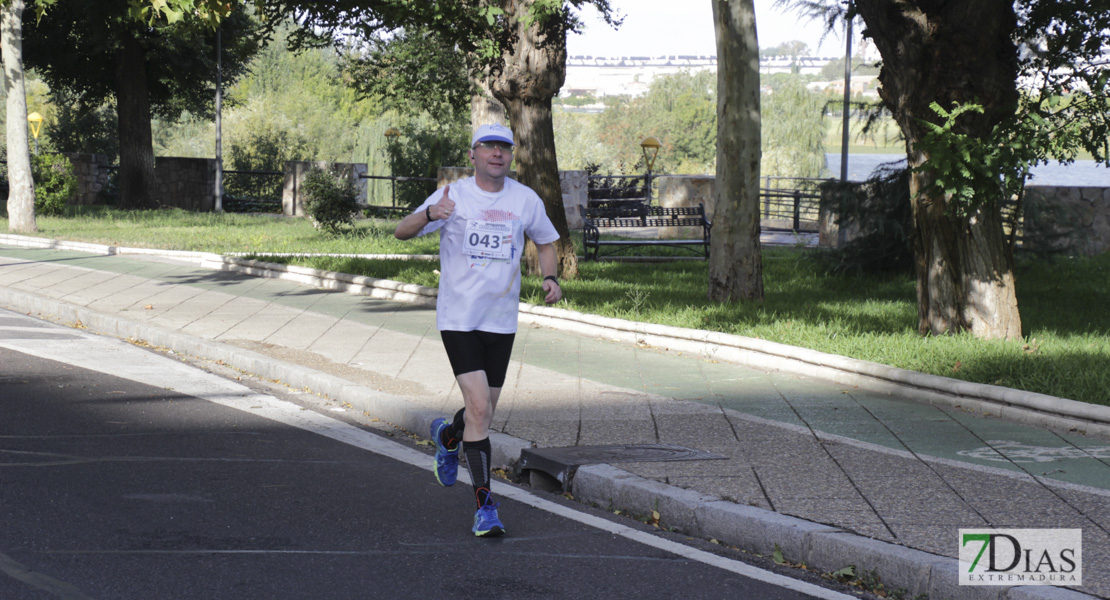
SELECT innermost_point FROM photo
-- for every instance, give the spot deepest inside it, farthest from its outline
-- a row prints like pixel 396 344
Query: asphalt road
pixel 125 473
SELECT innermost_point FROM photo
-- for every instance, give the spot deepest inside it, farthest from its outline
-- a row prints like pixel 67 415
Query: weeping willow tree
pixel 793 131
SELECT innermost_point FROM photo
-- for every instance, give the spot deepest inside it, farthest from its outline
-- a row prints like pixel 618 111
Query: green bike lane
pixel 897 424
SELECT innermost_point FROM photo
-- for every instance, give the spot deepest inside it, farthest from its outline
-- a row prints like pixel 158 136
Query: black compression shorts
pixel 471 351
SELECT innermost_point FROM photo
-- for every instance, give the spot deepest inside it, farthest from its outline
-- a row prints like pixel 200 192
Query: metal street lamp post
pixel 847 98
pixel 35 119
pixel 391 135
pixel 218 196
pixel 650 146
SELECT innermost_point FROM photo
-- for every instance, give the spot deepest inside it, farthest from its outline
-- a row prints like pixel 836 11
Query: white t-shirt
pixel 479 253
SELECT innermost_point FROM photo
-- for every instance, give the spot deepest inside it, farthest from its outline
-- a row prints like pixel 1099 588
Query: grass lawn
pixel 1063 300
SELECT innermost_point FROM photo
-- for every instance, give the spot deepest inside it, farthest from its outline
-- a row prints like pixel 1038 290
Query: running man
pixel 481 222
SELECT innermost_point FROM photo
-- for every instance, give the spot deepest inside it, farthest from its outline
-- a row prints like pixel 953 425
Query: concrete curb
pixel 820 546
pixel 1017 405
pixel 46 243
pixel 382 289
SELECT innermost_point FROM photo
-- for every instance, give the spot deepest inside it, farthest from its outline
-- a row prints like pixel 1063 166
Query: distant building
pixel 625 75
pixel 600 76
pixel 802 65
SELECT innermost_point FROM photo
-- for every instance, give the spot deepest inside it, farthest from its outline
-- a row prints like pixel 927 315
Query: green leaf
pixel 492 12
pixel 777 556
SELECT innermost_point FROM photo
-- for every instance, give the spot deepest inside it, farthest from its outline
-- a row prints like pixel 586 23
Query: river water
pixel 1081 173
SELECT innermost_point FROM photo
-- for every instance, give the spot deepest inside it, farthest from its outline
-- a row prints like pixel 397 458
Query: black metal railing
pixel 790 203
pixel 400 195
pixel 252 191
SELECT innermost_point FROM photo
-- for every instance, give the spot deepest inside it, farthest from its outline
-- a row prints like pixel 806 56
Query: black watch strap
pixel 553 278
pixel 428 213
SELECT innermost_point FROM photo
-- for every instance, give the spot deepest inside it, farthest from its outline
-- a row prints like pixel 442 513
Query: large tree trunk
pixel 136 152
pixel 484 108
pixel 965 279
pixel 21 186
pixel 735 259
pixel 538 169
pixel 534 70
pixel 952 52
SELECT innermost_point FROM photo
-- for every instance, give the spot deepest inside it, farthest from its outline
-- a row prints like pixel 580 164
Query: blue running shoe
pixel 447 461
pixel 486 523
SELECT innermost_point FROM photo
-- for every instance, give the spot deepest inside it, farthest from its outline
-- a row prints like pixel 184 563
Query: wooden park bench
pixel 640 216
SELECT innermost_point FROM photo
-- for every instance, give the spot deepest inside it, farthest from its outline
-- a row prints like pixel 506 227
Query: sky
pixel 659 27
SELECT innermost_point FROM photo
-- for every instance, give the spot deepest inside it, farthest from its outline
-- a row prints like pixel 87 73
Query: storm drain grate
pixel 560 463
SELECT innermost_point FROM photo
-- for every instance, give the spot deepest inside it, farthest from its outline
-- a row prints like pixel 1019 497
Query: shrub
pixel 267 148
pixel 331 201
pixel 55 183
pixel 424 147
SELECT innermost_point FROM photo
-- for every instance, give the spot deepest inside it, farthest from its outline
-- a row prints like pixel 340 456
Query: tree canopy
pixel 680 110
pixel 412 70
pixel 96 51
pixel 792 131
pixel 73 48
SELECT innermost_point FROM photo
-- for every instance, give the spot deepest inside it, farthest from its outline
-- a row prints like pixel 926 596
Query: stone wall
pixel 92 176
pixel 679 191
pixel 1074 220
pixel 575 194
pixel 185 183
pixel 1071 220
pixel 292 201
pixel 830 233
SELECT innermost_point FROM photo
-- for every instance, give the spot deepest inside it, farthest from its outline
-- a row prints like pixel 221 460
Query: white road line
pixel 40 581
pixel 141 366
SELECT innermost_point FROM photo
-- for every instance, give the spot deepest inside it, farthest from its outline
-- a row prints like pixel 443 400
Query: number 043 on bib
pixel 488 239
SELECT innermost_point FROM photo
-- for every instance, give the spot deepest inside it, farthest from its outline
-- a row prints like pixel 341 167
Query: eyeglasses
pixel 502 146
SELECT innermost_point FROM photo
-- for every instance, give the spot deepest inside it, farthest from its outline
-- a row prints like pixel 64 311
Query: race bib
pixel 488 239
